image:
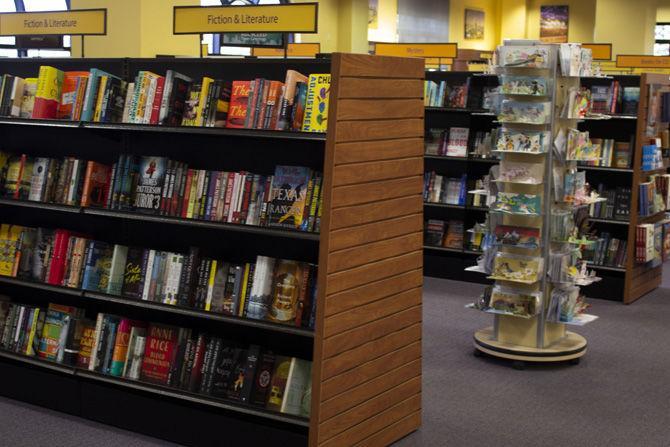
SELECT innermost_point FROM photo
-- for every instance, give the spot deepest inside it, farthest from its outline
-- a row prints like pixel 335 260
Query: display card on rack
pixel 515 302
pixel 522 173
pixel 519 204
pixel 523 85
pixel 512 111
pixel 522 142
pixel 530 56
pixel 520 237
pixel 523 269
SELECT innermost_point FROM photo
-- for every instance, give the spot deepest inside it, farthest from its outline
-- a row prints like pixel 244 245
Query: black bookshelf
pixel 168 413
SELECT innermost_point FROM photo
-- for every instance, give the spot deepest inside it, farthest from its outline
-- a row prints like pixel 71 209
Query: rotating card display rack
pixel 532 251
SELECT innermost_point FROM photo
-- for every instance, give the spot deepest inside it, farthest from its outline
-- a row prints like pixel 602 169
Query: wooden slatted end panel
pixel 367 353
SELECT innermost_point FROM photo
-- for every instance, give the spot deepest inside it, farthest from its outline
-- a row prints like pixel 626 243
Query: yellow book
pixel 97 113
pixel 192 194
pixel 31 337
pixel 202 101
pixel 10 253
pixel 210 286
pixel 48 93
pixel 316 104
pixel 243 292
pixel 141 98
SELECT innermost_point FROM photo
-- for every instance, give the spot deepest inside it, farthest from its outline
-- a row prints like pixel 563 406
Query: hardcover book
pixel 288 281
pixel 316 103
pixel 288 196
pixel 150 183
pixel 48 93
pixel 160 345
pixel 239 99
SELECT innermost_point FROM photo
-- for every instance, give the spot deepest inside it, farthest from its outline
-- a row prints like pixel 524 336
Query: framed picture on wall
pixel 554 23
pixel 474 24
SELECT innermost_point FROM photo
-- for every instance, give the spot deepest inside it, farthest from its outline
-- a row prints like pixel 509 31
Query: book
pixel 287 99
pixel 239 98
pixel 298 389
pixel 316 103
pixel 158 354
pixel 457 144
pixel 287 200
pixel 96 184
pixel 150 183
pixel 48 93
pixel 288 280
pixel 278 383
pixel 28 98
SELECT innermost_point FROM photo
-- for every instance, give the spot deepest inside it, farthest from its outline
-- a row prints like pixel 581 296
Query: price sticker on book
pixel 288 18
pixel 77 22
pixel 447 50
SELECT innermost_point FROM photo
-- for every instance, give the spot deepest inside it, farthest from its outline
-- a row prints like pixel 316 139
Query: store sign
pixel 642 61
pixel 78 22
pixel 289 18
pixel 275 40
pixel 416 49
pixel 293 50
pixel 600 51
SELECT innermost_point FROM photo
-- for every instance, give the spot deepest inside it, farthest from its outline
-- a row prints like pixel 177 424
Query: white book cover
pixel 297 394
pixel 96 342
pixel 457 145
pixel 117 269
pixel 130 91
pixel 38 179
pixel 147 275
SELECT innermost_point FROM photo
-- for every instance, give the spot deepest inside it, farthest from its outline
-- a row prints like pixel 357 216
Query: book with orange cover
pixel 70 93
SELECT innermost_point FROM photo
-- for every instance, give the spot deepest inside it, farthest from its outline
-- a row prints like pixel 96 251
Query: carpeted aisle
pixel 618 396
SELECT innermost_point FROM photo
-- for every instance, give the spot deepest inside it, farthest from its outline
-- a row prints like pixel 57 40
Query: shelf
pixel 473 252
pixel 454 110
pixel 579 320
pixel 484 160
pixel 663 170
pixel 603 168
pixel 609 221
pixel 160 307
pixel 606 268
pixel 499 312
pixel 483 209
pixel 650 218
pixel 443 249
pixel 445 158
pixel 239 228
pixel 158 389
pixel 191 130
pixel 443 205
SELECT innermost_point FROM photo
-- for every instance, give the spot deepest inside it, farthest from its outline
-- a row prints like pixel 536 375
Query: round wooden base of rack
pixel 569 349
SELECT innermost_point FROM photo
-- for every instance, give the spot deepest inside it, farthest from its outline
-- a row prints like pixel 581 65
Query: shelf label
pixel 600 51
pixel 416 49
pixel 288 18
pixel 293 50
pixel 76 22
pixel 642 61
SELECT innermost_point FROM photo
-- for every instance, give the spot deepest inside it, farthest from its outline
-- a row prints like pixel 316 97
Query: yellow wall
pixel 663 12
pixel 628 25
pixel 581 19
pixel 387 22
pixel 156 30
pixel 491 23
pixel 328 28
pixel 512 19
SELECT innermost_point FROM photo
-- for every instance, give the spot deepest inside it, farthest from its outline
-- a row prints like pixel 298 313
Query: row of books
pixel 617 205
pixel 452 142
pixel 300 103
pixel 438 188
pixel 652 157
pixel 178 357
pixel 652 200
pixel 440 233
pixel 277 290
pixel 652 243
pixel 606 251
pixel 613 154
pixel 445 95
pixel 152 184
pixel 613 99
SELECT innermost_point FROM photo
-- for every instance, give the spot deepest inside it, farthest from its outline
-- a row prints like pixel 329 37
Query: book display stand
pixel 366 345
pixel 530 253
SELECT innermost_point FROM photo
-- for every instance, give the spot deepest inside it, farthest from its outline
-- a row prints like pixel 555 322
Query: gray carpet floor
pixel 619 395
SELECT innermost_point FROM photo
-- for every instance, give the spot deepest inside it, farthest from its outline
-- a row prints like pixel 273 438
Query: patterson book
pixel 150 183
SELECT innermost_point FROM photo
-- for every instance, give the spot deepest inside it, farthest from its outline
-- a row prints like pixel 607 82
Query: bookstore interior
pixel 228 220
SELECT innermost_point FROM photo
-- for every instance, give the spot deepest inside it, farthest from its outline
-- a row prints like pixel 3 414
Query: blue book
pixel 98 264
pixel 88 108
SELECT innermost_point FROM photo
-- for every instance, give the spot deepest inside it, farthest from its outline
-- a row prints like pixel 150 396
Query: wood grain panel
pixel 375 212
pixel 368 390
pixel 377 231
pixel 375 191
pixel 379 425
pixel 373 291
pixel 366 173
pixel 378 150
pixel 374 330
pixel 376 405
pixel 374 251
pixel 370 312
pixel 378 130
pixel 393 432
pixel 376 348
pixel 380 88
pixel 387 268
pixel 376 109
pixel 369 370
pixel 362 65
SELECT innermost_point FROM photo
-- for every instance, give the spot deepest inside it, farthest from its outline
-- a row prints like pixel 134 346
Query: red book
pixel 239 99
pixel 262 104
pixel 274 99
pixel 96 184
pixel 196 368
pixel 242 218
pixel 58 257
pixel 158 97
pixel 69 94
pixel 48 94
pixel 158 353
pixel 187 193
